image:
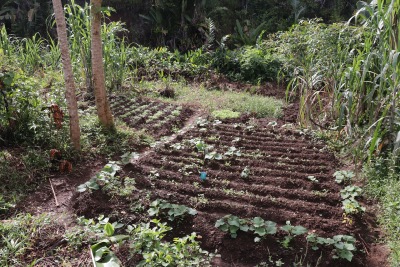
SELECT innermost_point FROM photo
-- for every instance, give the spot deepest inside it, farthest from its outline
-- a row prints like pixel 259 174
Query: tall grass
pixel 369 88
pixel 6 44
pixel 356 85
pixel 116 55
pixel 78 21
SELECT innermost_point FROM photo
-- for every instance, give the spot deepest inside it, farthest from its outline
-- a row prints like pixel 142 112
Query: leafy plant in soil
pixel 343 176
pixel 262 228
pixel 313 179
pixel 101 178
pixel 291 231
pixel 232 224
pixel 147 241
pixel 101 253
pixel 343 245
pixel 172 211
pixel 350 204
pixel 128 156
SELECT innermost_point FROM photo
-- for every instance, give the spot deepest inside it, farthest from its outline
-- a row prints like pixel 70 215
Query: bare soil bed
pixel 278 188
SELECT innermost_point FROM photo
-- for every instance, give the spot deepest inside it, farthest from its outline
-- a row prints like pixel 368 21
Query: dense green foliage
pixel 186 24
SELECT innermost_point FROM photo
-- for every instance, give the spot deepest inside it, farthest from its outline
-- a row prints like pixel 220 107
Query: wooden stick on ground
pixel 54 193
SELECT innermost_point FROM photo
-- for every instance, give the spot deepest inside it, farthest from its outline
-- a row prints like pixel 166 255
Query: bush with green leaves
pixel 249 63
pixel 101 253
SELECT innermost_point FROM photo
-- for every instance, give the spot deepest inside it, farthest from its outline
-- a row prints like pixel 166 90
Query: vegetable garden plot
pixel 157 118
pixel 276 174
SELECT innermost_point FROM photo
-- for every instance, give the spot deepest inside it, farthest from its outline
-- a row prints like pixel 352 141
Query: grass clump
pixel 225 114
pixel 18 236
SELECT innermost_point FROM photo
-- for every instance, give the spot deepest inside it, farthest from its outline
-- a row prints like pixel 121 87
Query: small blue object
pixel 203 176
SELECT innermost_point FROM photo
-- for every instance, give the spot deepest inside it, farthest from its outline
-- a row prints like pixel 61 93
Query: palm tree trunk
pixel 103 107
pixel 70 94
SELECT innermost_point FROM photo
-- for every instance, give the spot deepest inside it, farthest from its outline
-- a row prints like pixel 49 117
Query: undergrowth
pixel 383 184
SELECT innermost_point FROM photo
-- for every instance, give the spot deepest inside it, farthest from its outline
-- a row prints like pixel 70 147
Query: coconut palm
pixel 103 107
pixel 68 74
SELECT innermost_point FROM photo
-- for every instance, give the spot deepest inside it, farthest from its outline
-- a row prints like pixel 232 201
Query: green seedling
pixel 350 204
pixel 201 123
pixel 213 156
pixel 128 157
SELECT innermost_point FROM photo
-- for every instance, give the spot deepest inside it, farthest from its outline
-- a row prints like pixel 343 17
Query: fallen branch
pixel 54 193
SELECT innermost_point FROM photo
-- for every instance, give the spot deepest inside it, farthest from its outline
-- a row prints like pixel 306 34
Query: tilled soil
pixel 155 117
pixel 281 162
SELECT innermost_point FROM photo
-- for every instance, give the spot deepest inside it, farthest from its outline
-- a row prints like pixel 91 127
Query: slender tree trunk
pixel 70 94
pixel 103 107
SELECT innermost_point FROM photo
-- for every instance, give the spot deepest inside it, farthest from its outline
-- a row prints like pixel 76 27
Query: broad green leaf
pixel 109 229
pixel 244 227
pixel 233 220
pixel 153 211
pixel 287 228
pixel 219 222
pixel 258 221
pixel 224 228
pixel 270 227
pixel 344 254
pixel 260 231
pixel 299 230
